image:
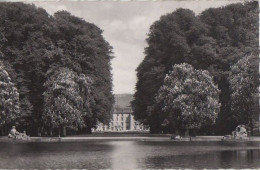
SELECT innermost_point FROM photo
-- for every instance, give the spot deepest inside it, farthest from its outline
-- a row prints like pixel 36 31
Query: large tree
pixel 9 100
pixel 244 84
pixel 65 99
pixel 189 98
pixel 32 41
pixel 169 42
pixel 213 41
pixel 85 51
pixel 28 49
pixel 235 31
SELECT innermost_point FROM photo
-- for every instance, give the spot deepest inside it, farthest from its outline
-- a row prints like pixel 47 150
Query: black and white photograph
pixel 129 84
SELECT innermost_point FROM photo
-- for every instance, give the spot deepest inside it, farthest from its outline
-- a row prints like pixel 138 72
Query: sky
pixel 125 26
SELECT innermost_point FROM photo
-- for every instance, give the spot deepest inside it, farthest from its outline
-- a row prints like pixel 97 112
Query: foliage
pixel 33 41
pixel 214 41
pixel 27 49
pixel 235 30
pixel 85 51
pixel 189 97
pixel 9 99
pixel 244 81
pixel 169 42
pixel 64 100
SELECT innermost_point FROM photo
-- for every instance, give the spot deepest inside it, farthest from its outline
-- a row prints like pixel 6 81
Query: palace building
pixel 122 121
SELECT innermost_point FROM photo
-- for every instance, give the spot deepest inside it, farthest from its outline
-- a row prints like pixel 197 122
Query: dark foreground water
pixel 130 155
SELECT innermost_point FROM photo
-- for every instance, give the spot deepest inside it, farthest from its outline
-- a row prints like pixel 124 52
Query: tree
pixel 86 51
pixel 169 43
pixel 65 99
pixel 9 100
pixel 213 40
pixel 32 40
pixel 28 50
pixel 189 97
pixel 85 84
pixel 244 84
pixel 235 31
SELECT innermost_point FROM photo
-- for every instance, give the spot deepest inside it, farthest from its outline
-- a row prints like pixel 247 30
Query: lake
pixel 130 154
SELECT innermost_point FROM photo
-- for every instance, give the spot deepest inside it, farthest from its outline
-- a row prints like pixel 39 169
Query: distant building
pixel 122 121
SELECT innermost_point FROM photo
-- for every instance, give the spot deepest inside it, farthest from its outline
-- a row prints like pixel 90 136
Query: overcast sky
pixel 125 26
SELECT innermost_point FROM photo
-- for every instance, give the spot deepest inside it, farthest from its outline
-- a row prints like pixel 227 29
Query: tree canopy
pixel 33 42
pixel 213 40
pixel 189 98
pixel 244 84
pixel 63 99
pixel 9 100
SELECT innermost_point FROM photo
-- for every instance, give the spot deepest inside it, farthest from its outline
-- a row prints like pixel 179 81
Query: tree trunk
pixel 64 131
pixel 88 130
pixel 59 131
pixel 187 132
pixel 5 130
pixel 251 126
pixel 2 131
pixel 39 132
pixel 51 131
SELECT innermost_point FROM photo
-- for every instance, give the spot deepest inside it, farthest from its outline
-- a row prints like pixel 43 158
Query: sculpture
pixel 14 134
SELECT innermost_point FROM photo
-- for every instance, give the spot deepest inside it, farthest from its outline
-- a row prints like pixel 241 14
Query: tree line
pixel 55 71
pixel 200 72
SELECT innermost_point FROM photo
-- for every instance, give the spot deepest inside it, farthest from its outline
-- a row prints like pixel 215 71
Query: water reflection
pixel 124 155
pixel 240 158
pixel 130 155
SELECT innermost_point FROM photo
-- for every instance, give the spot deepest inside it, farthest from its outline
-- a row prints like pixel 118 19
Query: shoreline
pixel 129 138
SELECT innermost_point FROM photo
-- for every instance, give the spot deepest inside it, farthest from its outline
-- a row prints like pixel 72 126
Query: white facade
pixel 122 120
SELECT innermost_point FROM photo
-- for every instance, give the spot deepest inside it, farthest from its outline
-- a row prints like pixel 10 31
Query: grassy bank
pixel 122 134
pixel 124 137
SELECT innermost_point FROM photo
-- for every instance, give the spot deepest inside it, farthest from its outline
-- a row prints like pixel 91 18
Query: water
pixel 130 155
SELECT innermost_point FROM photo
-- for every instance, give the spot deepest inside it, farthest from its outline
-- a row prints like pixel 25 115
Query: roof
pixel 127 110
